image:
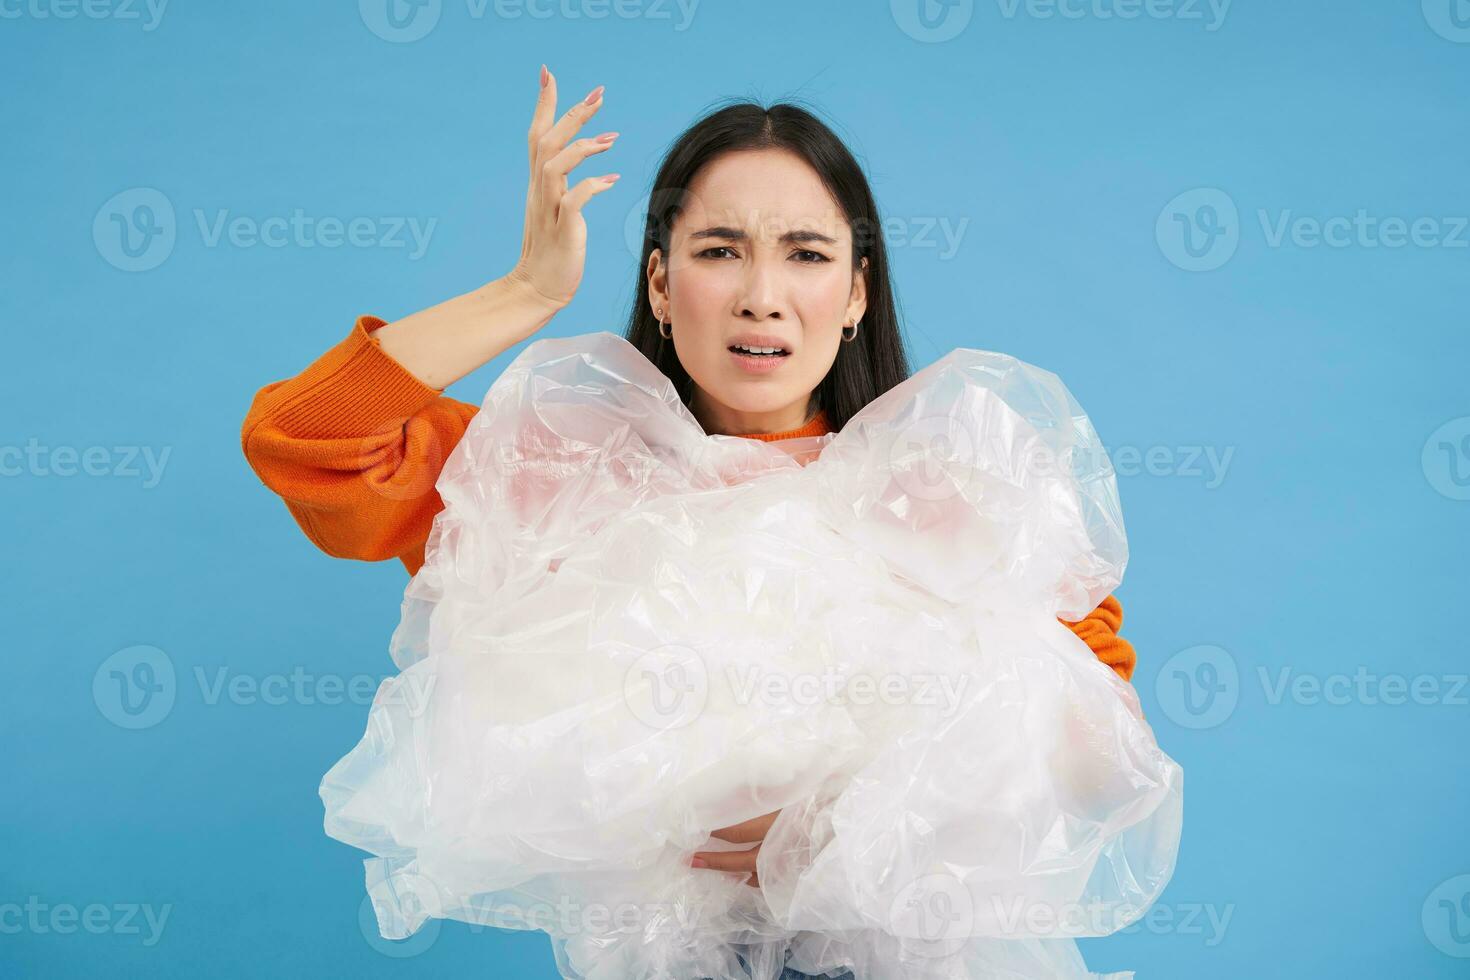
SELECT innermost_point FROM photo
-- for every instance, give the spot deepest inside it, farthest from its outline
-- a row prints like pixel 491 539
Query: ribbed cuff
pixel 358 389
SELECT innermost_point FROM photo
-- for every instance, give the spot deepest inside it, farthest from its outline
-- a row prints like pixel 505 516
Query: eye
pixel 718 248
pixel 820 258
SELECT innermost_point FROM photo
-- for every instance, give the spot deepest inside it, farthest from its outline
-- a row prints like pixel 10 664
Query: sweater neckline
pixel 816 427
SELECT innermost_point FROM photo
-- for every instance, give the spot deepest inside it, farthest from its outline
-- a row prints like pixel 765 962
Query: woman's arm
pixel 444 343
pixel 353 445
pixel 355 442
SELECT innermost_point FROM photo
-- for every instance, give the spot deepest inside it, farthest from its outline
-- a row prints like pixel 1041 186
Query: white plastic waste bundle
pixel 628 633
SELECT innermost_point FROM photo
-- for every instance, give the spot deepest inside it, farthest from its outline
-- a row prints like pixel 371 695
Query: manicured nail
pixel 543 76
pixel 698 862
pixel 592 95
pixel 607 137
pixel 611 177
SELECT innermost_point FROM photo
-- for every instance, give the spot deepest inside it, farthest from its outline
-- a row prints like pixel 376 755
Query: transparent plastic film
pixel 628 633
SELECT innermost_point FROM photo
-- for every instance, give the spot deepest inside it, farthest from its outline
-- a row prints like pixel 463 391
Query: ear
pixel 658 282
pixel 857 304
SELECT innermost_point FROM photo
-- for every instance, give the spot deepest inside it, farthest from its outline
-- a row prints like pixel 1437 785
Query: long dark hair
pixel 865 367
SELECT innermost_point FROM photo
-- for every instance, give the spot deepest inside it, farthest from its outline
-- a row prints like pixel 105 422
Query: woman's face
pixel 760 254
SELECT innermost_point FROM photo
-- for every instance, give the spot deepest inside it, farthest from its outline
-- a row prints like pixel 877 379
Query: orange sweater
pixel 355 442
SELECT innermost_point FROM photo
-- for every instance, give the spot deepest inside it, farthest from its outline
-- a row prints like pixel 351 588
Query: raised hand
pixel 554 244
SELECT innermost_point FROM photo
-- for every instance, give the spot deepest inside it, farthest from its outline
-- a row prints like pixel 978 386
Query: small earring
pixel 853 336
pixel 666 336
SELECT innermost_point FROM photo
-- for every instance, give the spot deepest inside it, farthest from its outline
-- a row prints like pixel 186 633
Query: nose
pixel 761 294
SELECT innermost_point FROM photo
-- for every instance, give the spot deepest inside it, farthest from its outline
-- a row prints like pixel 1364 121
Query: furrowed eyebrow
pixel 796 237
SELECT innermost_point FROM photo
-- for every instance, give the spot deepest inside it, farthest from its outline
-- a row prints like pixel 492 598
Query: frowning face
pixel 757 286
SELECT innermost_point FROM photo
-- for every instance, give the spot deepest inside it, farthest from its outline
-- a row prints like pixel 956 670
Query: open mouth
pixel 759 351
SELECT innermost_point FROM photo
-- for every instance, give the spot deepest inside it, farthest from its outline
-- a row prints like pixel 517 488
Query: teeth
pixel 758 350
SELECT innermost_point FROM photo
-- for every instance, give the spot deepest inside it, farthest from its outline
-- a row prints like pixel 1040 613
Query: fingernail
pixel 592 95
pixel 543 76
pixel 611 177
pixel 698 862
pixel 607 137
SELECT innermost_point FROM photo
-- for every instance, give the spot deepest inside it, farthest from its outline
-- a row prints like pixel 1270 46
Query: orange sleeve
pixel 354 445
pixel 1099 630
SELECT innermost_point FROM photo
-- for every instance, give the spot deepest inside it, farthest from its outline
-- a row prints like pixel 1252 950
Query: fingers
pixel 545 112
pixel 551 158
pixel 729 860
pixel 540 123
pixel 551 139
pixel 577 151
pixel 554 171
pixel 754 829
pixel 579 195
pixel 737 861
pixel 748 831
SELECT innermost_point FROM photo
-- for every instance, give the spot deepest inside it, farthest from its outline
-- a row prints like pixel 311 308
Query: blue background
pixel 1333 543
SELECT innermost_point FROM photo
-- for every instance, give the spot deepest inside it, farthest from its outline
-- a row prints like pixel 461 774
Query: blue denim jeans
pixel 791 974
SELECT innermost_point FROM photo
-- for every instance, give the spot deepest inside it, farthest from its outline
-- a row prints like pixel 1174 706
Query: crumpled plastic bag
pixel 628 633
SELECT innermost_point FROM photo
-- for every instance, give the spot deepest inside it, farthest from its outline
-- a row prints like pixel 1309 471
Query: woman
pixel 768 306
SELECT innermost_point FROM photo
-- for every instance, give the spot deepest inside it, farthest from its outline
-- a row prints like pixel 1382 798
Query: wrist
pixel 519 286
